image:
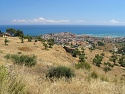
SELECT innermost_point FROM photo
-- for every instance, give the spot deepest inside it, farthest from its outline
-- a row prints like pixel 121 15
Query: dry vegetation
pixel 35 77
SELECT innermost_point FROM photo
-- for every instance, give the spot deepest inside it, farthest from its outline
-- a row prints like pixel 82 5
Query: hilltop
pixel 35 80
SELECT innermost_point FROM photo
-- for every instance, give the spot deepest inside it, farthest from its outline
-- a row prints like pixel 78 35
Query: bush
pixel 10 84
pixel 83 65
pixel 5 41
pixel 100 43
pixel 107 67
pixel 22 59
pixel 94 75
pixel 97 60
pixel 122 61
pixel 50 42
pixel 59 72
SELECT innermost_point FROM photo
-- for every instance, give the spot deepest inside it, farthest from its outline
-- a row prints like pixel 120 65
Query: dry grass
pixel 24 49
pixel 36 82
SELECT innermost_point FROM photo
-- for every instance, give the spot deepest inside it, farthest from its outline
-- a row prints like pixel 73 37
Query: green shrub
pixel 59 72
pixel 100 43
pixel 107 67
pixel 9 84
pixel 97 60
pixel 83 65
pixel 8 56
pixel 122 61
pixel 5 41
pixel 50 42
pixel 94 75
pixel 45 45
pixel 22 59
pixel 19 52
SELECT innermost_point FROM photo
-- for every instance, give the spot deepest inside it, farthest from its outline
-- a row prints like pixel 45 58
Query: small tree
pixel 50 42
pixel 22 37
pixel 5 41
pixel 113 58
pixel 97 60
pixel 122 61
pixel 45 45
pixel 82 58
pixel 107 67
pixel 75 52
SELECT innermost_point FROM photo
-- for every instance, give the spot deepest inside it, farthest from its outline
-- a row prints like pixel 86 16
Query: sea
pixel 92 30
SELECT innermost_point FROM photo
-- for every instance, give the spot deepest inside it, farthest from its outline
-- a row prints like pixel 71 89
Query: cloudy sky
pixel 81 12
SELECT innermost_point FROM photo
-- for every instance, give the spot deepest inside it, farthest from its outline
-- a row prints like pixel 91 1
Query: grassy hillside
pixel 34 78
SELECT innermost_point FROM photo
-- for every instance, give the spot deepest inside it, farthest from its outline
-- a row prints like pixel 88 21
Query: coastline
pixel 91 30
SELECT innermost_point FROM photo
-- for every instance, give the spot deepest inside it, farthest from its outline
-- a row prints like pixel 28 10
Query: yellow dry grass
pixel 36 82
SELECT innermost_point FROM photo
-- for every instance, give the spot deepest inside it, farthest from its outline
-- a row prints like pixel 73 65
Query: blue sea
pixel 93 30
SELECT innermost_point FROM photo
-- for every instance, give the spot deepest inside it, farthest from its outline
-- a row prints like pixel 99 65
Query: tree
pixel 5 41
pixel 11 31
pixel 82 58
pixel 113 58
pixel 122 61
pixel 45 45
pixel 75 52
pixel 107 67
pixel 97 60
pixel 50 42
pixel 22 37
pixel 14 32
pixel 121 50
pixel 18 33
pixel 100 43
pixel 29 38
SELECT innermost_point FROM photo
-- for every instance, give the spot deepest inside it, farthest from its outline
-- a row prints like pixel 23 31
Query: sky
pixel 76 12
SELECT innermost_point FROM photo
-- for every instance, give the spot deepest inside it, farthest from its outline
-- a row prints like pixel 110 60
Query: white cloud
pixel 41 20
pixel 80 21
pixel 113 21
pixel 20 21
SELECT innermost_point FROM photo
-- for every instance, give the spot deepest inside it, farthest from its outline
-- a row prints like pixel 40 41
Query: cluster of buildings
pixel 67 38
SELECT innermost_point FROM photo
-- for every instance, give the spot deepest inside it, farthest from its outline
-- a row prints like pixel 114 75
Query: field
pixel 34 78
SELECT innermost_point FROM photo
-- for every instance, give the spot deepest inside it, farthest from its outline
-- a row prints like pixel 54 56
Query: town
pixel 67 38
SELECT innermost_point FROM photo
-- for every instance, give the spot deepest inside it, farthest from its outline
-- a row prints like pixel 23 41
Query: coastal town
pixel 73 40
pixel 67 38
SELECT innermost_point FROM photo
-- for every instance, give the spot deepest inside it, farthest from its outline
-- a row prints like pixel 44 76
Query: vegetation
pixel 107 67
pixel 121 50
pixel 22 59
pixel 22 38
pixel 122 61
pixel 45 45
pixel 29 38
pixel 9 84
pixel 97 60
pixel 5 41
pixel 75 52
pixel 50 42
pixel 100 43
pixel 59 72
pixel 113 58
pixel 94 75
pixel 14 32
pixel 40 39
pixel 83 65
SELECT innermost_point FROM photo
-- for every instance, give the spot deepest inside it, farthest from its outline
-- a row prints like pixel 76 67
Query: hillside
pixel 34 77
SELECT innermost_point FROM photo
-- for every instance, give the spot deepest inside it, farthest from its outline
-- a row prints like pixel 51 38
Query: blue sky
pixel 81 12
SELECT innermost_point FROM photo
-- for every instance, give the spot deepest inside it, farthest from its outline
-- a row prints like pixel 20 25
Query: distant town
pixel 68 38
